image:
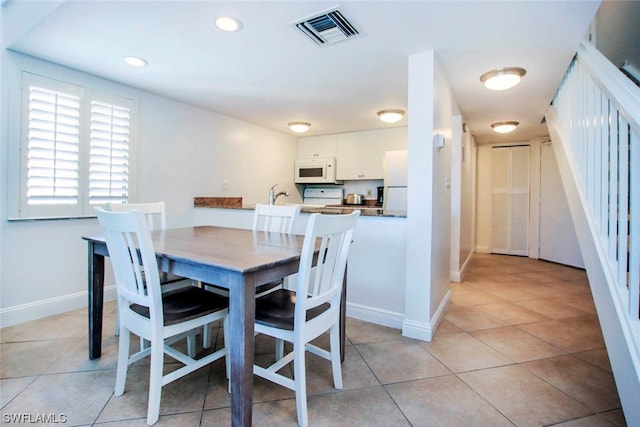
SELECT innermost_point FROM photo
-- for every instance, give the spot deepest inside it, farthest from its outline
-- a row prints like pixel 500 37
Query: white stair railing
pixel 594 122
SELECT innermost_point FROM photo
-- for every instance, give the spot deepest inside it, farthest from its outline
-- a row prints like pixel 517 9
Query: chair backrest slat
pixel 279 219
pixel 154 212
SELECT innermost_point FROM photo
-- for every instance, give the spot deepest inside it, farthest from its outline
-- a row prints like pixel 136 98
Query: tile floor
pixel 520 344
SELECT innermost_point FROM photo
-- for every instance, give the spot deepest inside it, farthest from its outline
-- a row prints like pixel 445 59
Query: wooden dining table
pixel 236 259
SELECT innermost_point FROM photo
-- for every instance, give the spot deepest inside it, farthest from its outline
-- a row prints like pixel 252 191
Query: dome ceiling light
pixel 299 127
pixel 502 78
pixel 227 23
pixel 390 116
pixel 504 127
pixel 135 61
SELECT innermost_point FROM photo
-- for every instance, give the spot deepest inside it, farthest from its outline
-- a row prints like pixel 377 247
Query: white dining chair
pixel 279 219
pixel 301 315
pixel 161 318
pixel 275 219
pixel 269 218
pixel 154 213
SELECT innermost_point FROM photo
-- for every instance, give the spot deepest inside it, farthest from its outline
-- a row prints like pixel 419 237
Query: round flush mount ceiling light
pixel 504 127
pixel 299 127
pixel 502 78
pixel 227 23
pixel 390 116
pixel 135 61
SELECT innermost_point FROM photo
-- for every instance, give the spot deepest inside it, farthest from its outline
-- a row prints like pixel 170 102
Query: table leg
pixel 343 314
pixel 96 297
pixel 241 331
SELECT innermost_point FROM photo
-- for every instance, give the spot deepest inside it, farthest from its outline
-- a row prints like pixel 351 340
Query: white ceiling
pixel 269 74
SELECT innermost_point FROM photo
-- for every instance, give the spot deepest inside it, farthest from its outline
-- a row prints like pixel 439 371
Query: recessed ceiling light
pixel 134 61
pixel 299 127
pixel 227 23
pixel 504 127
pixel 390 116
pixel 502 78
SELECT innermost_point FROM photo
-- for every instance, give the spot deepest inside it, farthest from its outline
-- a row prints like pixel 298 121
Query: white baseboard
pixel 38 309
pixel 425 331
pixel 465 267
pixel 458 275
pixel 483 249
pixel 417 330
pixel 375 315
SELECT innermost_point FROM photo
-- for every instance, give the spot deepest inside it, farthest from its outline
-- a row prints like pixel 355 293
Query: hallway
pixel 520 345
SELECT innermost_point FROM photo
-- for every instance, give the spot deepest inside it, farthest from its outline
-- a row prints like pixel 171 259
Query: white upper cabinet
pixel 359 154
pixel 316 146
pixel 349 156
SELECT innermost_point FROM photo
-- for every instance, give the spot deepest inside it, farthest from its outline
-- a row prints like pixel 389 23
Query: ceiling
pixel 269 73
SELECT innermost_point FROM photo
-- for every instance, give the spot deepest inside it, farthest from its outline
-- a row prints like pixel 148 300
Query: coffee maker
pixel 380 196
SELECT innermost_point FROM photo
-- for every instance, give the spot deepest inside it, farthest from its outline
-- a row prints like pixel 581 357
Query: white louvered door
pixel 510 200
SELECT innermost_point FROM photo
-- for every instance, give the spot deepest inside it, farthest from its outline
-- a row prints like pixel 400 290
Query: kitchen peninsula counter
pixel 377 259
pixel 236 203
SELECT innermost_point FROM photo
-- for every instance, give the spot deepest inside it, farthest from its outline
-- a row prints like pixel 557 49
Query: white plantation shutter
pixel 53 147
pixel 110 138
pixel 76 146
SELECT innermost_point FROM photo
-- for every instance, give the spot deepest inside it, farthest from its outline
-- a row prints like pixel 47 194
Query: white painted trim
pixel 425 331
pixel 483 249
pixel 378 316
pixel 620 332
pixel 465 266
pixel 621 91
pixel 458 276
pixel 417 330
pixel 37 310
pixel 474 193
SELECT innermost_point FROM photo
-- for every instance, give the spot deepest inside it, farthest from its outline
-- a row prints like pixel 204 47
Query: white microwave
pixel 316 170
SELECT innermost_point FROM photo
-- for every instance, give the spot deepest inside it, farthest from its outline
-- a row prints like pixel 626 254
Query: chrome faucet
pixel 273 196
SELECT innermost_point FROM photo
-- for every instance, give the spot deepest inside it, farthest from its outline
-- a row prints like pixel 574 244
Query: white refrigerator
pixel 395 180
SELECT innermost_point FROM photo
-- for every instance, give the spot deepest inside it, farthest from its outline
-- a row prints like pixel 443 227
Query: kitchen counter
pixel 365 210
pixel 377 259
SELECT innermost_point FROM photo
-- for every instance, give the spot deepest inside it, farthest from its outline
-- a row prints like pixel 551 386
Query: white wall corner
pixel 420 196
pixel 425 331
pixel 482 249
pixel 455 276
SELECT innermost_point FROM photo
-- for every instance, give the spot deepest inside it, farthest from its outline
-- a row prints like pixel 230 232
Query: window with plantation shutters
pixel 109 154
pixel 75 150
pixel 53 147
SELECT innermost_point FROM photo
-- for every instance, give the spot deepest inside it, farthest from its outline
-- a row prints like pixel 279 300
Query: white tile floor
pixel 520 345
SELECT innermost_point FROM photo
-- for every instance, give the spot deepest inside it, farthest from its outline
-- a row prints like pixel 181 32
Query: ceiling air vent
pixel 327 28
